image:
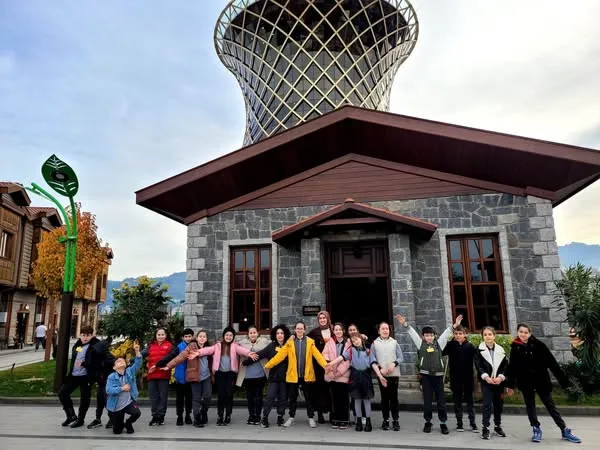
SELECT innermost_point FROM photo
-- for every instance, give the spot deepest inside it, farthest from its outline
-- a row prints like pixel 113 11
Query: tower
pixel 297 59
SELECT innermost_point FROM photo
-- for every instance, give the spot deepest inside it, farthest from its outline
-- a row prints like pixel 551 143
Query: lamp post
pixel 63 180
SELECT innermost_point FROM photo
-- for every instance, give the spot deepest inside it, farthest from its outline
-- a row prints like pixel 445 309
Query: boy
pixel 431 365
pixel 183 390
pixel 105 362
pixel 461 354
pixel 81 375
pixel 122 392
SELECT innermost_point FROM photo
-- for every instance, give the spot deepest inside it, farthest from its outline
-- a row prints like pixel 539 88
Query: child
pixel 122 392
pixel 183 390
pixel 105 362
pixel 197 376
pixel 158 380
pixel 277 389
pixel 338 379
pixel 81 375
pixel 361 384
pixel 528 368
pixel 491 364
pixel 300 351
pixel 388 354
pixel 225 367
pixel 431 363
pixel 253 376
pixel 461 354
pixel 352 328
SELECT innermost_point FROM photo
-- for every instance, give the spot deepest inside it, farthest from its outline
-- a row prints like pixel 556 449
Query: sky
pixel 130 93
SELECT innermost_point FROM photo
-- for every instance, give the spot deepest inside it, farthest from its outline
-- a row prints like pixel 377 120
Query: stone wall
pixel 530 262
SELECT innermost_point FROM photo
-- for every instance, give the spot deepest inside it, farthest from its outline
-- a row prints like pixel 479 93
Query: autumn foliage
pixel 48 269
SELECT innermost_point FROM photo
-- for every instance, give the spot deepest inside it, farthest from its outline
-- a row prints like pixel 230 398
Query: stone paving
pixel 38 427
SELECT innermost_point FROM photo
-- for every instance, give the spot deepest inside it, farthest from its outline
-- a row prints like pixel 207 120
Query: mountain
pixel 570 254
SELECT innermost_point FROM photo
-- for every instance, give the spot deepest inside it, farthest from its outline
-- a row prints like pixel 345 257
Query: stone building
pixel 368 214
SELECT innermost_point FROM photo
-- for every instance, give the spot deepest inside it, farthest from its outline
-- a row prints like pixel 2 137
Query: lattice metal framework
pixel 298 59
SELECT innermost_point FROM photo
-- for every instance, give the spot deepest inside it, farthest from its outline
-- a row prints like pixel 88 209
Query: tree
pixel 137 310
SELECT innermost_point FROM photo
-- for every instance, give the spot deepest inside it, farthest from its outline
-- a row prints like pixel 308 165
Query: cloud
pixel 130 93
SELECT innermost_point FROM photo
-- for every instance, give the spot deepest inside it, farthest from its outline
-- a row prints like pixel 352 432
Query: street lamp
pixel 62 179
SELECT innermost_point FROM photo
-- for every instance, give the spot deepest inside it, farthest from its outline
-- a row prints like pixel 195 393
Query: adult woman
pixel 158 380
pixel 321 335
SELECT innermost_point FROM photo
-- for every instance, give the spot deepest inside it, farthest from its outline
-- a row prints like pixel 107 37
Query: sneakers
pixel 179 422
pixel 279 421
pixel 385 425
pixel 160 420
pixel 188 419
pixel 427 427
pixel 220 422
pixel 396 425
pixel 109 424
pixel 444 428
pixel 499 431
pixel 320 418
pixel 198 421
pixel 153 421
pixel 289 422
pixel 342 425
pixel 71 417
pixel 78 423
pixel 474 428
pixel 459 427
pixel 94 424
pixel 334 425
pixel 485 433
pixel 567 435
pixel 537 435
pixel 265 422
pixel 227 420
pixel 312 423
pixel 368 426
pixel 250 421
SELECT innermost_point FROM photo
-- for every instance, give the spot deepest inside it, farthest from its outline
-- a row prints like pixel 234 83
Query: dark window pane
pixel 265 258
pixel 463 310
pixel 489 272
pixel 486 303
pixel 238 282
pixel 243 309
pixel 265 299
pixel 455 250
pixel 265 278
pixel 487 248
pixel 239 260
pixel 457 272
pixel 474 249
pixel 250 259
pixel 476 272
pixel 460 296
pixel 265 320
pixel 250 280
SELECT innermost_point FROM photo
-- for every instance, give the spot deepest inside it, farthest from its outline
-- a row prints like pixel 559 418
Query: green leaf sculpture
pixel 60 176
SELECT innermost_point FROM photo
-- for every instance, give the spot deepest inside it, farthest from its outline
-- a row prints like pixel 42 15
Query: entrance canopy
pixel 516 165
pixel 352 215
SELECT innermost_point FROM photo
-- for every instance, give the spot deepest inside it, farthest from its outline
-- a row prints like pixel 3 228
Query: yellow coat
pixel 289 351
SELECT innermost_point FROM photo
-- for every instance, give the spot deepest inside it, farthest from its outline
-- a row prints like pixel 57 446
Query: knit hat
pixel 228 330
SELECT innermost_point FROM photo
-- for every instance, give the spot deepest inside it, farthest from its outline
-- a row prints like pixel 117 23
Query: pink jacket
pixel 234 351
pixel 341 373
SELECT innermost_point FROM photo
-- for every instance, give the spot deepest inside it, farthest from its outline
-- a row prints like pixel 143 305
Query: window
pixel 476 282
pixel 6 244
pixel 250 287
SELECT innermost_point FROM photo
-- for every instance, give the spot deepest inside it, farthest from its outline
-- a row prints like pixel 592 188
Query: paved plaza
pixel 38 427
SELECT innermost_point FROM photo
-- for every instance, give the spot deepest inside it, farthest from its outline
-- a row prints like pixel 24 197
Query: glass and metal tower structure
pixel 298 59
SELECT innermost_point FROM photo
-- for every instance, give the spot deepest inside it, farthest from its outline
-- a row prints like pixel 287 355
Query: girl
pixel 197 374
pixel 321 335
pixel 158 380
pixel 253 376
pixel 224 366
pixel 338 378
pixel 530 360
pixel 491 364
pixel 388 355
pixel 277 389
pixel 352 328
pixel 361 385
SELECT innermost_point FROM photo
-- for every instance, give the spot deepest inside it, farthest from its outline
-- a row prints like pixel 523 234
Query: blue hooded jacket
pixel 180 369
pixel 113 384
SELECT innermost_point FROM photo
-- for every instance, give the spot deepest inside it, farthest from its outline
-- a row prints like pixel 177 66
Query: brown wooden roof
pixel 516 164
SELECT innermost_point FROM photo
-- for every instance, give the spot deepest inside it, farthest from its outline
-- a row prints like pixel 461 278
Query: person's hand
pixel 489 380
pixel 497 380
pixel 401 319
pixel 253 356
pixel 165 368
pixel 151 369
pixel 328 367
pixel 126 388
pixel 136 348
pixel 383 381
pixel 510 392
pixel 458 320
pixel 383 371
pixel 193 355
pixel 391 368
pixel 78 363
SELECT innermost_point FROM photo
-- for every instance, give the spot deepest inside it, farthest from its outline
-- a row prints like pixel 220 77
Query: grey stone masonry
pixel 313 277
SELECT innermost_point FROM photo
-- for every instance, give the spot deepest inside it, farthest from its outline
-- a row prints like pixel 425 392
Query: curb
pixel 568 410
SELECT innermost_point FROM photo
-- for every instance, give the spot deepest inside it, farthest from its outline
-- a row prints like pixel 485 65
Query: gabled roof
pixel 50 213
pixel 352 214
pixel 544 169
pixel 16 191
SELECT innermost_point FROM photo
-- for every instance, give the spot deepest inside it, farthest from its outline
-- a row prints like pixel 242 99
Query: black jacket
pixel 91 358
pixel 483 364
pixel 103 361
pixel 529 365
pixel 461 358
pixel 277 373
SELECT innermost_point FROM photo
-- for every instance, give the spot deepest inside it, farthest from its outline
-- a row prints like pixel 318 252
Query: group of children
pixel 287 362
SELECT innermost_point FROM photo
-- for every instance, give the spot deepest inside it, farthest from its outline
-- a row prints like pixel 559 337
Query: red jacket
pixel 155 354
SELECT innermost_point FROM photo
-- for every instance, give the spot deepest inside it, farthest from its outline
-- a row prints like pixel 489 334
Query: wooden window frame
pixel 258 289
pixel 468 283
pixel 8 245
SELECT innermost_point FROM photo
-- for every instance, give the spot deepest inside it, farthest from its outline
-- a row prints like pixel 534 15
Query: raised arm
pixel 182 357
pixel 172 355
pixel 280 356
pixel 443 339
pixel 411 332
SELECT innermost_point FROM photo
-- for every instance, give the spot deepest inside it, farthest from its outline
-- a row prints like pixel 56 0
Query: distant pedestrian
pixel 40 336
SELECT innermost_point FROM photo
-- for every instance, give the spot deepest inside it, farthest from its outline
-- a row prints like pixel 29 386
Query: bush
pixel 503 340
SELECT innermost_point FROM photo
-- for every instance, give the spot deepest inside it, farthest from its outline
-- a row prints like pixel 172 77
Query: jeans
pixel 293 397
pixel 118 417
pixel 546 398
pixel 493 399
pixel 434 385
pixel 183 394
pixel 340 410
pixel 100 399
pixel 276 390
pixel 158 390
pixel 85 389
pixel 40 341
pixel 254 395
pixel 389 398
pixel 462 391
pixel 201 394
pixel 225 392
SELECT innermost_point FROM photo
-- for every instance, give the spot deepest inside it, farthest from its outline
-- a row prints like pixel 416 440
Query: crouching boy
pixel 122 392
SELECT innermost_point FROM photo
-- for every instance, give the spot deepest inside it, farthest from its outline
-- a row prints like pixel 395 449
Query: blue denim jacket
pixel 113 384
